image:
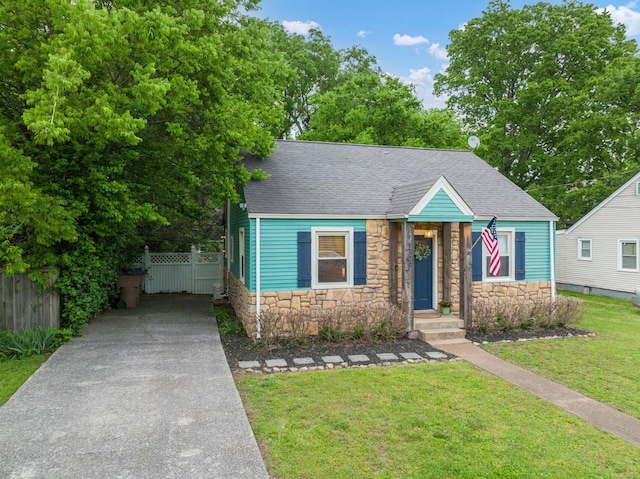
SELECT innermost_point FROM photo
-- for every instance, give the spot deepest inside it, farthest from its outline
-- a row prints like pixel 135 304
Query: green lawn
pixel 14 372
pixel 440 420
pixel 450 420
pixel 605 367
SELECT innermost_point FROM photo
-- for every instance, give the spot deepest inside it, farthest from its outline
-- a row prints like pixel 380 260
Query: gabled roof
pixel 635 178
pixel 315 179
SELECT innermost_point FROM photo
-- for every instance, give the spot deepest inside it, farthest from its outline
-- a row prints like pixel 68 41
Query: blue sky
pixel 408 37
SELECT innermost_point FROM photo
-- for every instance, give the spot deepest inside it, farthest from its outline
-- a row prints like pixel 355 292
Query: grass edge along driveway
pixel 14 372
pixel 441 420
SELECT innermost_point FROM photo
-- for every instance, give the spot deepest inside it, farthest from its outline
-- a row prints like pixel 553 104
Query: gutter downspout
pixel 258 278
pixel 552 249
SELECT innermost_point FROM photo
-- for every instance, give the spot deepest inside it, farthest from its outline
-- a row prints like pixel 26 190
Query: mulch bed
pixel 525 334
pixel 239 347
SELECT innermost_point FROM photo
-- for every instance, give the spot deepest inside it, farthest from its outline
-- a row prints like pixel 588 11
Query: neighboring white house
pixel 600 253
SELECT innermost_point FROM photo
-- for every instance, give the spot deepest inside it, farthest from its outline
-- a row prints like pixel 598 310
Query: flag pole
pixel 478 239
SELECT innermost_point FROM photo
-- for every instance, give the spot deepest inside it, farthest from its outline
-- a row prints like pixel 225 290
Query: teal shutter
pixel 304 259
pixel 520 256
pixel 476 257
pixel 360 257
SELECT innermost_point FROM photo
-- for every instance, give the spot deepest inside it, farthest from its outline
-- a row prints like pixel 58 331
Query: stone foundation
pixel 521 290
pixel 288 302
pixel 512 292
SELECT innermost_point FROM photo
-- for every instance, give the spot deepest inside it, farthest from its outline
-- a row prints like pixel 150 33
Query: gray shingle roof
pixel 334 179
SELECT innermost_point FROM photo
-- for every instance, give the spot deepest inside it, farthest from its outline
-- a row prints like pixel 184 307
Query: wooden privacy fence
pixel 24 304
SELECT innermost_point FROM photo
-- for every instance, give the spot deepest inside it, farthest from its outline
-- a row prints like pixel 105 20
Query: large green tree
pixel 316 68
pixel 369 107
pixel 315 65
pixel 120 116
pixel 527 81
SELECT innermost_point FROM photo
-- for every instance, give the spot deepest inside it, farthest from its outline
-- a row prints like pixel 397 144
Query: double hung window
pixel 584 249
pixel 332 258
pixel 506 249
pixel 628 255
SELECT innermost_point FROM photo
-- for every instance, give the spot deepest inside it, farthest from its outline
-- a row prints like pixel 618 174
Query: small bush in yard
pixel 501 315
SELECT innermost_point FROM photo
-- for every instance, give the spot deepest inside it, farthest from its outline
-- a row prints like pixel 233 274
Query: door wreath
pixel 422 251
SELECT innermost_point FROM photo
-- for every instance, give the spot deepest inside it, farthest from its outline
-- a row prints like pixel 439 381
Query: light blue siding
pixel 537 246
pixel 279 250
pixel 441 208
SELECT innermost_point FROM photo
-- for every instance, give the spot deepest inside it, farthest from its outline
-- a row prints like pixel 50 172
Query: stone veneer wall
pixel 512 291
pixel 374 293
pixel 520 290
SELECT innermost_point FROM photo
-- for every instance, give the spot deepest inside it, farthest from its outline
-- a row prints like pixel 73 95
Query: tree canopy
pixel 371 107
pixel 120 116
pixel 533 84
pixel 344 96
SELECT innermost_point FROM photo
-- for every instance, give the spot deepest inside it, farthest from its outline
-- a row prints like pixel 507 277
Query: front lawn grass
pixel 14 372
pixel 605 367
pixel 437 420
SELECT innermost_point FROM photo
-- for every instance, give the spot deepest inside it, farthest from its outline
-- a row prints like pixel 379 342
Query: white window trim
pixel 584 258
pixel 620 241
pixel 512 259
pixel 241 256
pixel 638 188
pixel 348 233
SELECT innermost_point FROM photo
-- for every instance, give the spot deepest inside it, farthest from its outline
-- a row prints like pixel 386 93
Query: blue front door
pixel 423 273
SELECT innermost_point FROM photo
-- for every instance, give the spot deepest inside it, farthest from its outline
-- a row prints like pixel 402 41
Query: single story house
pixel 345 224
pixel 599 253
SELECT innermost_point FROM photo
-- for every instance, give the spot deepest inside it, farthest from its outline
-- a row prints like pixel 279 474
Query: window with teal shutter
pixel 328 260
pixel 506 257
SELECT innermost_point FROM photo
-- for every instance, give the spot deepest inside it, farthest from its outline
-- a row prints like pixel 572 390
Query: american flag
pixel 490 239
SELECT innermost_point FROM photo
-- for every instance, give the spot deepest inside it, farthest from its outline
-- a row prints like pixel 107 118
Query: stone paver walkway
pixel 330 362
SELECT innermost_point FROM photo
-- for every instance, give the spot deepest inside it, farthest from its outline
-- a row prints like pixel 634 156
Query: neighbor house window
pixel 584 249
pixel 507 261
pixel 332 258
pixel 628 255
pixel 638 188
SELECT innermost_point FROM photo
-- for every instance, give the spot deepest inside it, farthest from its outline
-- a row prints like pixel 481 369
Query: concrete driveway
pixel 144 393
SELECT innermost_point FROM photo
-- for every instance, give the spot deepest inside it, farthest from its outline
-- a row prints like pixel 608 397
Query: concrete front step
pixel 443 342
pixel 443 322
pixel 441 334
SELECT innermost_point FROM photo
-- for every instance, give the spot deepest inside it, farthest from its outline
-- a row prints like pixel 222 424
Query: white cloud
pixel 422 80
pixel 435 50
pixel 406 40
pixel 364 33
pixel 301 28
pixel 419 77
pixel 626 16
